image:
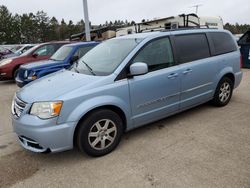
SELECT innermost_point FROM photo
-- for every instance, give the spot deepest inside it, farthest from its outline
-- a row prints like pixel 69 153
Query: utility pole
pixel 86 20
pixel 196 8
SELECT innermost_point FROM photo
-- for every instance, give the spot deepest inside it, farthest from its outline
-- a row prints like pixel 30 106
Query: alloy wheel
pixel 225 91
pixel 102 134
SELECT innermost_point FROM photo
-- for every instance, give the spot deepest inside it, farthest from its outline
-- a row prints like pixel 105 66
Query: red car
pixel 9 67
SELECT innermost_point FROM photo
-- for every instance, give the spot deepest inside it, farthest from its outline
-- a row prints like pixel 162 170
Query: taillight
pixel 241 61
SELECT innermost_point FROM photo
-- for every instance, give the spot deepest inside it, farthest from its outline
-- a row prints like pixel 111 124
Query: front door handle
pixel 187 71
pixel 172 75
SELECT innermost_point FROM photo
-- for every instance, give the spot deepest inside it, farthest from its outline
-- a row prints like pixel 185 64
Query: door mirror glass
pixel 138 68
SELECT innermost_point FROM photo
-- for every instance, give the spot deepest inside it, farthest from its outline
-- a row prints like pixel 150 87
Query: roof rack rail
pixel 162 29
pixel 186 28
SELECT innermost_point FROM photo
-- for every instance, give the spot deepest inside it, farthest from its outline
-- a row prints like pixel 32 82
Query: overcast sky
pixel 101 10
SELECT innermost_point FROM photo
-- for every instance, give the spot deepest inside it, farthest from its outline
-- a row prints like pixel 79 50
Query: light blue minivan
pixel 124 83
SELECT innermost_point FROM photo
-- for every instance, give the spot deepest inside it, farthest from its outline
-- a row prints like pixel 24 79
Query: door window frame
pixel 125 71
pixel 199 33
pixel 212 47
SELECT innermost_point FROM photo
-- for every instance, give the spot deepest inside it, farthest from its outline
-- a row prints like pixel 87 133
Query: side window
pixel 46 50
pixel 157 55
pixel 82 51
pixel 25 49
pixel 191 47
pixel 222 43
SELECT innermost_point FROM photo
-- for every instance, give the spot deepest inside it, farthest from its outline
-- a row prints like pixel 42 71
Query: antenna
pixel 196 8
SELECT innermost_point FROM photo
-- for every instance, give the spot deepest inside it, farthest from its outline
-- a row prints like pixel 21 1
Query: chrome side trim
pixel 173 95
pixel 198 87
pixel 157 100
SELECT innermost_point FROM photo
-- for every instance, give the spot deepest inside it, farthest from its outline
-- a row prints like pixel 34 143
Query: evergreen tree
pixel 39 27
pixel 53 30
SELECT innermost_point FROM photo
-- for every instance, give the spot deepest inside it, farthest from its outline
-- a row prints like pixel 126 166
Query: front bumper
pixel 3 76
pixel 43 135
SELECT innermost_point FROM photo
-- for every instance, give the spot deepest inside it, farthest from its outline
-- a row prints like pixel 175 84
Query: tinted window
pixel 46 50
pixel 192 47
pixel 222 43
pixel 157 55
pixel 83 50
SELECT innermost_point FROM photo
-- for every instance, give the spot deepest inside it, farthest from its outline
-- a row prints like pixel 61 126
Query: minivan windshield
pixel 62 53
pixel 106 57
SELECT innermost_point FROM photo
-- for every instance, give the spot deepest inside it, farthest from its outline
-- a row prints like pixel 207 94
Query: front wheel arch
pixel 14 71
pixel 109 107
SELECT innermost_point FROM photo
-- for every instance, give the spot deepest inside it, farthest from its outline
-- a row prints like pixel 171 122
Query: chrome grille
pixel 17 107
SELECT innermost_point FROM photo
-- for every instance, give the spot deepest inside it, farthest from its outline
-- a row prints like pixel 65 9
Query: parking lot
pixel 202 147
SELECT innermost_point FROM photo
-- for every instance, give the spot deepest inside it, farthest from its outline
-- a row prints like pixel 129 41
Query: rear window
pixel 192 47
pixel 222 43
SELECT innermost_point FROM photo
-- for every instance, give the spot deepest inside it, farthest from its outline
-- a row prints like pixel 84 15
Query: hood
pixel 18 58
pixel 42 65
pixel 54 85
pixel 6 59
pixel 10 55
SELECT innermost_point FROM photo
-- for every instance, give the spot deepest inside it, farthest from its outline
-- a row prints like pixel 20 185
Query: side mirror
pixel 73 59
pixel 139 68
pixel 34 55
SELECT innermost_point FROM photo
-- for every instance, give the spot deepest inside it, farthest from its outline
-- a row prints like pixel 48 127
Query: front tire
pixel 223 92
pixel 15 73
pixel 100 133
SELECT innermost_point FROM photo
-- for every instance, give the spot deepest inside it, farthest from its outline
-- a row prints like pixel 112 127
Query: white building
pixel 190 20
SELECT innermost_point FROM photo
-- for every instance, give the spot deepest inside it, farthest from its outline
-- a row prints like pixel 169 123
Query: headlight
pixel 32 76
pixel 25 75
pixel 46 110
pixel 5 62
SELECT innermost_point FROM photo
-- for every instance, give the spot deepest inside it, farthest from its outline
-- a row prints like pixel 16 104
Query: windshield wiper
pixel 89 68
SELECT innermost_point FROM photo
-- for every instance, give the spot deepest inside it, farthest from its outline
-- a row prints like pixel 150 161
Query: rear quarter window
pixel 192 47
pixel 222 43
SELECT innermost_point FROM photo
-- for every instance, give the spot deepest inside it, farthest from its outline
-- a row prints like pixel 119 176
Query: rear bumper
pixel 40 136
pixel 238 78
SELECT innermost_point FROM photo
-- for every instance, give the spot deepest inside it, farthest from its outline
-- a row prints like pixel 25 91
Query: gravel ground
pixel 202 147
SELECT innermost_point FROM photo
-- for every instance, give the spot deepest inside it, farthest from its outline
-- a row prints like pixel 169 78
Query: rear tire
pixel 223 92
pixel 100 133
